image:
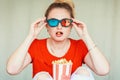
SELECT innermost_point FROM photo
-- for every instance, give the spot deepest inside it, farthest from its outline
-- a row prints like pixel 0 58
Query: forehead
pixel 59 13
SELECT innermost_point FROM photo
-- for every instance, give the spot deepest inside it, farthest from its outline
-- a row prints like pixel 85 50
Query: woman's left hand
pixel 80 28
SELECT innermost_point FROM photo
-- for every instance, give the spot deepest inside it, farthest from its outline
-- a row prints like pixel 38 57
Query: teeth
pixel 59 33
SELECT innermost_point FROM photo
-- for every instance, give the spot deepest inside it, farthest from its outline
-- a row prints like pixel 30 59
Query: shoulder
pixel 36 45
pixel 39 40
pixel 78 41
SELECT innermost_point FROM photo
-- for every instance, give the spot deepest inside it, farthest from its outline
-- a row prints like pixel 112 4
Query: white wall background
pixel 101 16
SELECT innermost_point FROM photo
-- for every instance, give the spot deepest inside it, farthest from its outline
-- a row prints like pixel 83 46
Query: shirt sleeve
pixel 32 49
pixel 83 48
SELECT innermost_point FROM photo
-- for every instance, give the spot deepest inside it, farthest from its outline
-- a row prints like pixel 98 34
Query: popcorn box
pixel 62 71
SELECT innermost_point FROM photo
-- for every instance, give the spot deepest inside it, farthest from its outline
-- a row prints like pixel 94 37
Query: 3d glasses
pixel 55 22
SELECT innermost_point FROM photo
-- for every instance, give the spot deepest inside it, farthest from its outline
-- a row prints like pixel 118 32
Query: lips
pixel 59 34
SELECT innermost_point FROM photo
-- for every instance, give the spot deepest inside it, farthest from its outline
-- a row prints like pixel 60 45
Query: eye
pixel 53 22
pixel 66 22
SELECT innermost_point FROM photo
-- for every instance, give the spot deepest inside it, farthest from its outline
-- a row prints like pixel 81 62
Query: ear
pixel 71 25
pixel 47 27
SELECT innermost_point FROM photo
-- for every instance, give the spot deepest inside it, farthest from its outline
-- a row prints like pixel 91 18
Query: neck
pixel 58 44
pixel 58 48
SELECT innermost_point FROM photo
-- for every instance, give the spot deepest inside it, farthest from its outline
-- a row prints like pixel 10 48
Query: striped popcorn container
pixel 62 71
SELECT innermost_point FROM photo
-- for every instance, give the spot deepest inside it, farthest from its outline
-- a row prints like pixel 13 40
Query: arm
pixel 21 58
pixel 95 58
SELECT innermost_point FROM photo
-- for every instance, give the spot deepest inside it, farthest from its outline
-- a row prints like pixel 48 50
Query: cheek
pixel 67 31
pixel 50 31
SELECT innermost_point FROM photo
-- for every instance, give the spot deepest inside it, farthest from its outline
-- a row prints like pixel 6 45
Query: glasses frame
pixel 59 21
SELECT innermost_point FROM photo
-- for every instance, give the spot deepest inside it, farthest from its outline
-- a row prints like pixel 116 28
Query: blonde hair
pixel 66 4
pixel 70 2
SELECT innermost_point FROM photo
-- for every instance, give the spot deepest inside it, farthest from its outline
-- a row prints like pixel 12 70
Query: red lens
pixel 66 22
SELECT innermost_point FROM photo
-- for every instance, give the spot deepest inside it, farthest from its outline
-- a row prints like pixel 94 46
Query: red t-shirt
pixel 42 59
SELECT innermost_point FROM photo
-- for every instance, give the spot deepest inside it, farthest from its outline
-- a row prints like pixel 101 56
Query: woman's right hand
pixel 36 27
pixel 21 58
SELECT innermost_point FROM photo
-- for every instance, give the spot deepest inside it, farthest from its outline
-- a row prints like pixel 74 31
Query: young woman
pixel 59 20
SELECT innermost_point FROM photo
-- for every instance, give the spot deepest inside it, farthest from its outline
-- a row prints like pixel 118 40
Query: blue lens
pixel 53 22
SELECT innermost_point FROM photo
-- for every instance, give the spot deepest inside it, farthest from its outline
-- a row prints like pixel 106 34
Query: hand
pixel 80 27
pixel 37 26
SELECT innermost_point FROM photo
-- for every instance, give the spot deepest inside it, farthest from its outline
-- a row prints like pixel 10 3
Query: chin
pixel 60 39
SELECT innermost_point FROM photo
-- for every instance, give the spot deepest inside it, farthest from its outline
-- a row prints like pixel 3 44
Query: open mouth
pixel 59 34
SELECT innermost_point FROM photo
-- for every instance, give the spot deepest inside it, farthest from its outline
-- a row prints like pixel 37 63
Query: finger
pixel 75 25
pixel 39 20
pixel 41 23
pixel 42 26
pixel 79 23
pixel 43 19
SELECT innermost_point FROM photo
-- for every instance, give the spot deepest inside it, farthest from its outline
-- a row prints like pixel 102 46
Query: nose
pixel 59 26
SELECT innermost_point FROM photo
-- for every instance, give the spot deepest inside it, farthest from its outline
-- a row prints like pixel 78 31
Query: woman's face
pixel 59 33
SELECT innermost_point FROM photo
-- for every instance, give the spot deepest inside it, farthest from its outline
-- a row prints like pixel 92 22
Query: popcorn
pixel 62 69
pixel 62 61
